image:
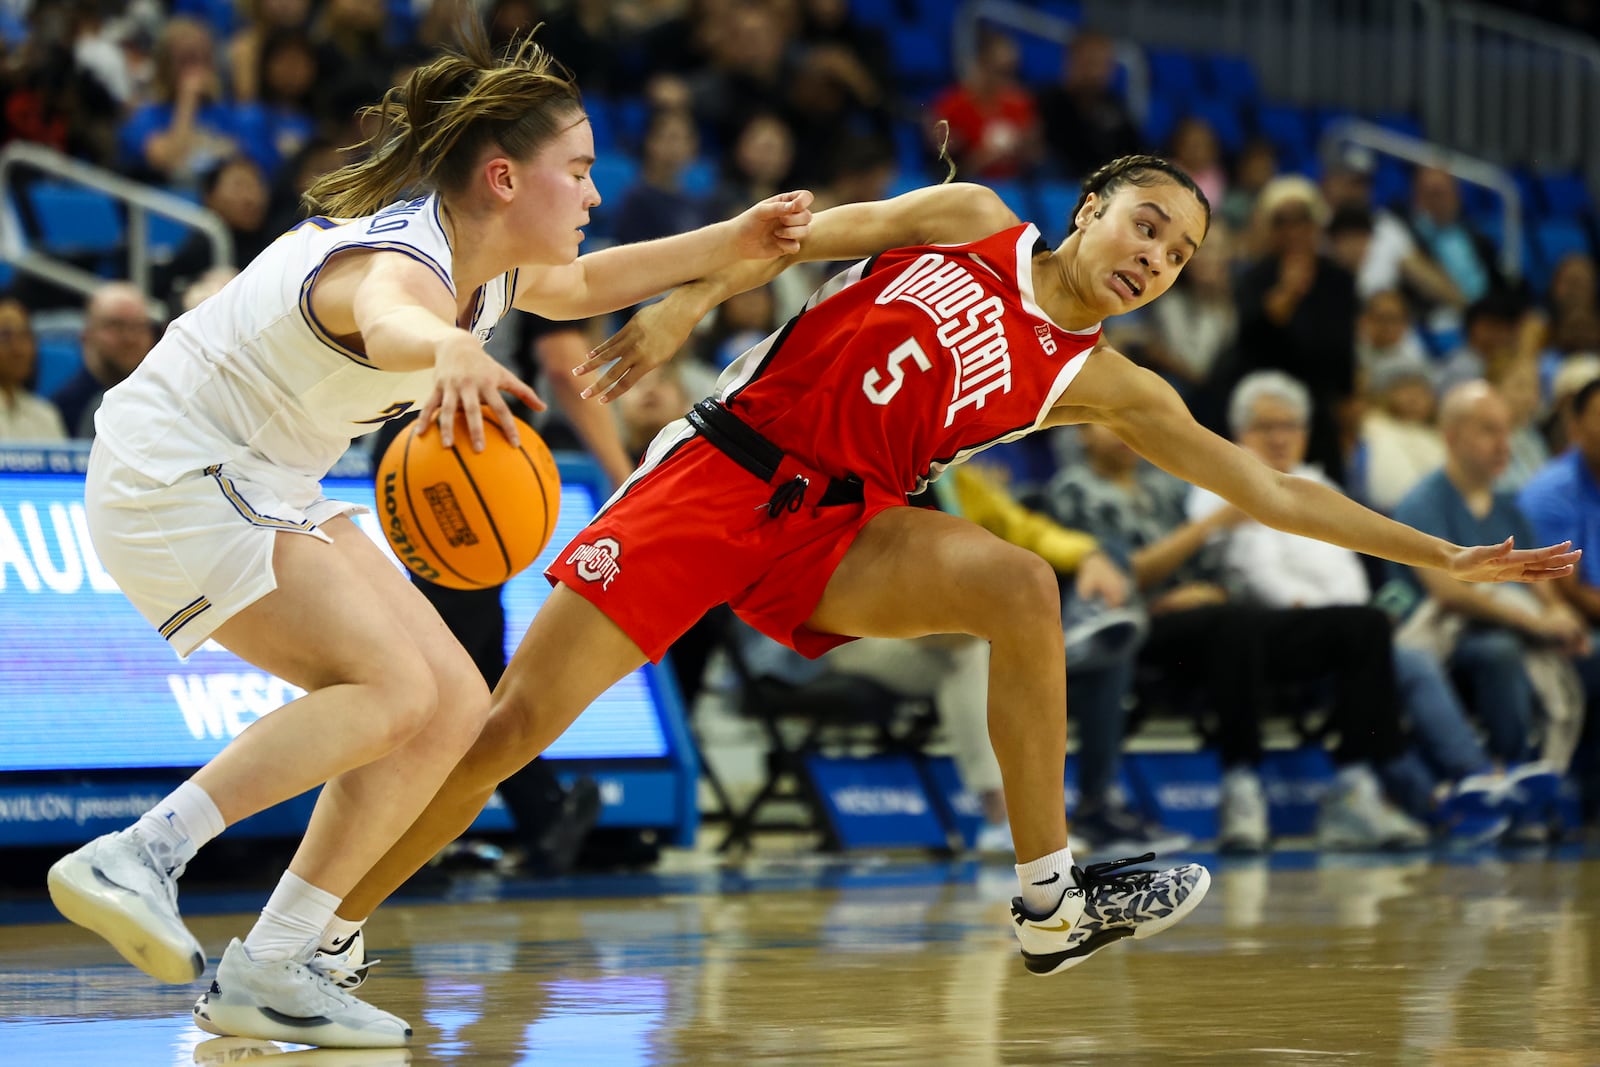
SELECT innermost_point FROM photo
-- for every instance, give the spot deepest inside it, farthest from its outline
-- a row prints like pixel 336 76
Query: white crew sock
pixel 339 932
pixel 183 822
pixel 291 924
pixel 1044 880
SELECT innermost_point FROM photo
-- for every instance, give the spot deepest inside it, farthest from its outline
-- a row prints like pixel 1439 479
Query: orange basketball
pixel 466 519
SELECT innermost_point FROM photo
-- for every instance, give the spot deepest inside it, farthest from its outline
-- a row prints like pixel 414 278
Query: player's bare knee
pixel 1019 592
pixel 408 699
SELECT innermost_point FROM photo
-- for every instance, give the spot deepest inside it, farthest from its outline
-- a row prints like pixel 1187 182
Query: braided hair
pixel 1135 170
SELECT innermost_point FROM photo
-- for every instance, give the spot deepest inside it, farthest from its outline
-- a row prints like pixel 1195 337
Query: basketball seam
pixel 411 506
pixel 487 514
pixel 544 497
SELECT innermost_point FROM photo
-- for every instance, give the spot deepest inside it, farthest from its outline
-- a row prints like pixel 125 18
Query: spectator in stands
pixel 860 169
pixel 1564 498
pixel 761 158
pixel 1514 648
pixel 829 23
pixel 657 205
pixel 1574 372
pixel 1574 288
pixel 993 120
pixel 1297 312
pixel 355 61
pixel 1489 336
pixel 1085 121
pixel 117 334
pixel 1401 443
pixel 1517 382
pixel 1256 165
pixel 1194 147
pixel 832 94
pixel 191 125
pixel 748 73
pixel 237 191
pixel 1237 654
pixel 245 49
pixel 1465 255
pixel 288 80
pixel 204 287
pixel 1386 333
pixel 24 415
pixel 310 163
pixel 1391 259
pixel 61 86
pixel 1268 414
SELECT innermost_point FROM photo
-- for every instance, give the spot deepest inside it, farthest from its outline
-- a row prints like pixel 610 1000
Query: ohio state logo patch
pixel 597 562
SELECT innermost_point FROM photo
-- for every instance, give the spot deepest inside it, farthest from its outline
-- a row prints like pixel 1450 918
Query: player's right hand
pixel 1507 563
pixel 466 379
pixel 650 338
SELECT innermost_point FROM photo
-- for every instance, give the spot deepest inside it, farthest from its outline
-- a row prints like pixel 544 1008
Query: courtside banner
pixel 877 801
pixel 87 684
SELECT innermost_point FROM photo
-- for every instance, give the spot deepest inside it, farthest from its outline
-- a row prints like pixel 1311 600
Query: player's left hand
pixel 774 227
pixel 1506 563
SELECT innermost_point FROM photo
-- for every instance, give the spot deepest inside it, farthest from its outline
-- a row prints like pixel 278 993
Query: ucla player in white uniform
pixel 204 503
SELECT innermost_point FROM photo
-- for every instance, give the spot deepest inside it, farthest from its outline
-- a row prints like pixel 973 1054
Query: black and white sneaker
pixel 1105 904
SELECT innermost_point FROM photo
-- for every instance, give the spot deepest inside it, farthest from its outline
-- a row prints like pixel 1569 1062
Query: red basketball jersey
pixel 909 362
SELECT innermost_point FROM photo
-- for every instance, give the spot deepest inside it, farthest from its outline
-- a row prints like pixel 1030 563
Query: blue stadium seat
pixel 881 13
pixel 700 177
pixel 1054 201
pixel 1040 60
pixel 936 16
pixel 602 123
pixel 921 54
pixel 220 15
pixel 1016 196
pixel 1391 183
pixel 1399 122
pixel 1289 128
pixel 1173 73
pixel 59 359
pixel 1159 120
pixel 1224 119
pixel 75 220
pixel 1557 238
pixel 1565 195
pixel 614 175
pixel 1232 78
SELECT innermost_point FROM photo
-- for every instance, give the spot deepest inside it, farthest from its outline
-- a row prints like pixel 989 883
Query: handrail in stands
pixel 1423 153
pixel 1038 23
pixel 141 200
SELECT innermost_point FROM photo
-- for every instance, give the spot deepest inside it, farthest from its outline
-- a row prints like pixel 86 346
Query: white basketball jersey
pixel 250 376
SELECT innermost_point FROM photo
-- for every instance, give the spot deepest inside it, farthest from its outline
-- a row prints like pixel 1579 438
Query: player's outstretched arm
pixel 1148 414
pixel 620 277
pixel 940 214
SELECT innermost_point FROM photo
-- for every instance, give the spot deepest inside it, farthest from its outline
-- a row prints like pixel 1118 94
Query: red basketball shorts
pixel 695 532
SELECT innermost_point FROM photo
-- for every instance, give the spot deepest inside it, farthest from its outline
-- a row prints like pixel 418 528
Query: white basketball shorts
pixel 193 554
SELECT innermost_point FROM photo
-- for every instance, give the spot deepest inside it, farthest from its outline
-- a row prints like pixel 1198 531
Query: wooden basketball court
pixel 1492 959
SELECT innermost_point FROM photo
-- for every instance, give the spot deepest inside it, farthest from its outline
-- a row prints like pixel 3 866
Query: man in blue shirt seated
pixel 1564 499
pixel 1498 641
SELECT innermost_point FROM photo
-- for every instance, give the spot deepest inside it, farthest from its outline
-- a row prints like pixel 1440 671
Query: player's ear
pixel 499 175
pixel 1091 209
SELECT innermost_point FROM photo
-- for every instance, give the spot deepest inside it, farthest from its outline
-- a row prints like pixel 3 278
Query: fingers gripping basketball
pixel 466 519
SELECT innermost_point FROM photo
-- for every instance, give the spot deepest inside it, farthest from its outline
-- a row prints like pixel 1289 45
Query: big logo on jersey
pixel 969 326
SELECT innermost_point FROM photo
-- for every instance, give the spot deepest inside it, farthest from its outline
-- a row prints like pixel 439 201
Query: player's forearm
pixel 1302 506
pixel 409 338
pixel 619 277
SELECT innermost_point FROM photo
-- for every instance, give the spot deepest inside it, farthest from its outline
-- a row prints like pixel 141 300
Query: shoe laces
pixel 343 975
pixel 1111 874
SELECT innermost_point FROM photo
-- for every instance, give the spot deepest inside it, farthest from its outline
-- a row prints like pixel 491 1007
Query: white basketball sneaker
pixel 288 1000
pixel 1103 905
pixel 122 887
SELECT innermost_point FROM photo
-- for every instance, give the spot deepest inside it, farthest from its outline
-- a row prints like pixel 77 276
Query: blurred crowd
pixel 1378 346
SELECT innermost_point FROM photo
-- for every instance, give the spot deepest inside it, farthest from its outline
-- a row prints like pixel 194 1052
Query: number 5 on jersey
pixel 882 394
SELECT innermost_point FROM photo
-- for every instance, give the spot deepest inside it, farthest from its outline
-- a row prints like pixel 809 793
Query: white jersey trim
pixel 1025 246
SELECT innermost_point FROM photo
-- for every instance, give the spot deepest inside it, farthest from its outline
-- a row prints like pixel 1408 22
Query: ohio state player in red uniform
pixel 785 495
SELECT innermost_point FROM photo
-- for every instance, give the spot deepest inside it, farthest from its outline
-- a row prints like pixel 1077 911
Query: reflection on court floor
pixel 1491 960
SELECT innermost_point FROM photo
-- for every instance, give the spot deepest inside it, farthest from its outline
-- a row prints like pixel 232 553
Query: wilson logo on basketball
pixel 447 513
pixel 597 562
pixel 399 534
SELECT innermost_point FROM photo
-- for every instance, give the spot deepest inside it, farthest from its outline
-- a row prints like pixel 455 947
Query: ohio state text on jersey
pixel 909 362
